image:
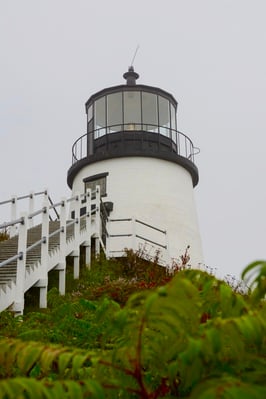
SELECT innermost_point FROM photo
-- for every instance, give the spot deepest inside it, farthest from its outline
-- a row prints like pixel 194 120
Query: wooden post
pixel 62 241
pixel 88 230
pixel 77 236
pixel 13 215
pixel 31 208
pixel 18 306
pixel 43 282
pixel 97 221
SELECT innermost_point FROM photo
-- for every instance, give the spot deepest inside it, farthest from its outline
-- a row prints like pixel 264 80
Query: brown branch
pixel 138 370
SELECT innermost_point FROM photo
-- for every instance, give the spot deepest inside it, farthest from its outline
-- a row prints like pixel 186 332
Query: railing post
pixel 88 229
pixel 18 306
pixel 43 282
pixel 97 221
pixel 13 215
pixel 107 240
pixel 62 243
pixel 31 208
pixel 77 235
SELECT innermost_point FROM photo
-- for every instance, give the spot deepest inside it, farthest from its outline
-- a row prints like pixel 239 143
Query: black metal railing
pixel 163 137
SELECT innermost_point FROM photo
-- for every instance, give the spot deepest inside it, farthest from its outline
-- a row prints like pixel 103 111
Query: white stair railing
pixel 21 265
pixel 133 233
pixel 84 228
pixel 17 205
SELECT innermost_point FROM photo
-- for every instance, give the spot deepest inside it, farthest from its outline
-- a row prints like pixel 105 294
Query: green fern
pixel 192 338
pixel 255 275
pixel 30 388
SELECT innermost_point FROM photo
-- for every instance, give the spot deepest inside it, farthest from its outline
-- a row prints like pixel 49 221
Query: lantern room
pixel 132 120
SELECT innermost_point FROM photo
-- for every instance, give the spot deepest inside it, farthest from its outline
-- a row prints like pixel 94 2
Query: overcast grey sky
pixel 210 54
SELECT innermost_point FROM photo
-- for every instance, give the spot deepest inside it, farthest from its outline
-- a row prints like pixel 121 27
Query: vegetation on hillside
pixel 4 235
pixel 133 330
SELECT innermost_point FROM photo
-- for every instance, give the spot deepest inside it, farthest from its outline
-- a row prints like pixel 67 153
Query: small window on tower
pixel 96 180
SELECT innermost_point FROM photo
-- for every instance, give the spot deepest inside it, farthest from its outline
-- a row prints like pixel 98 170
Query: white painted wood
pixel 77 205
pixel 18 305
pixel 44 253
pixel 31 208
pixel 97 222
pixel 12 230
pixel 62 271
pixel 37 274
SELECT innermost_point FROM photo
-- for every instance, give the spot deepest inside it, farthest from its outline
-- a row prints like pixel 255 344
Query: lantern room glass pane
pixel 100 117
pixel 89 113
pixel 173 123
pixel 173 117
pixel 164 116
pixel 132 110
pixel 90 119
pixel 149 112
pixel 114 112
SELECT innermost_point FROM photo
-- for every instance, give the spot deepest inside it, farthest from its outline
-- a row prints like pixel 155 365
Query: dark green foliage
pixel 255 275
pixel 188 336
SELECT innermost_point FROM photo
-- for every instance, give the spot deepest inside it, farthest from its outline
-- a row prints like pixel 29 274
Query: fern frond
pixel 24 356
pixel 30 388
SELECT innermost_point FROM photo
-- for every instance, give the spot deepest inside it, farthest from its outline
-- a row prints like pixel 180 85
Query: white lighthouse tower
pixel 145 169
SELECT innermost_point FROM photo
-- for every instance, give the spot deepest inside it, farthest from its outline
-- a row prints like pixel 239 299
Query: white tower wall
pixel 155 191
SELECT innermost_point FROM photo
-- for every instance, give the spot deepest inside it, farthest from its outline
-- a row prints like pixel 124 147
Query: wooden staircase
pixel 28 256
pixel 9 248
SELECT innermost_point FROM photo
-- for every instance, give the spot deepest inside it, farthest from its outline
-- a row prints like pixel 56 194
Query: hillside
pixel 129 329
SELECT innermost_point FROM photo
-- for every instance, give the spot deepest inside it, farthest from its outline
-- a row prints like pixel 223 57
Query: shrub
pixel 193 337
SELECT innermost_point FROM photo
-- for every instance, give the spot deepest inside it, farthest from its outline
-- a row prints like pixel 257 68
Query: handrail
pixel 70 222
pixel 54 233
pixel 47 257
pixel 135 235
pixel 34 245
pixel 152 227
pixel 41 241
pixel 11 223
pixel 173 135
pixel 9 260
pixel 23 197
pixel 120 235
pixel 121 220
pixel 151 241
pixel 82 196
pixel 36 213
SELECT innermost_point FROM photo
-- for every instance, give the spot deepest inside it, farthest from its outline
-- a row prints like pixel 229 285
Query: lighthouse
pixel 145 170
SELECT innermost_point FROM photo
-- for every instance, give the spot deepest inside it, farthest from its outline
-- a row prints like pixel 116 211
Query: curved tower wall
pixel 155 191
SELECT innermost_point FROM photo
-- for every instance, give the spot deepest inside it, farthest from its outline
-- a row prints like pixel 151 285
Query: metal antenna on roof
pixel 134 56
pixel 131 76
